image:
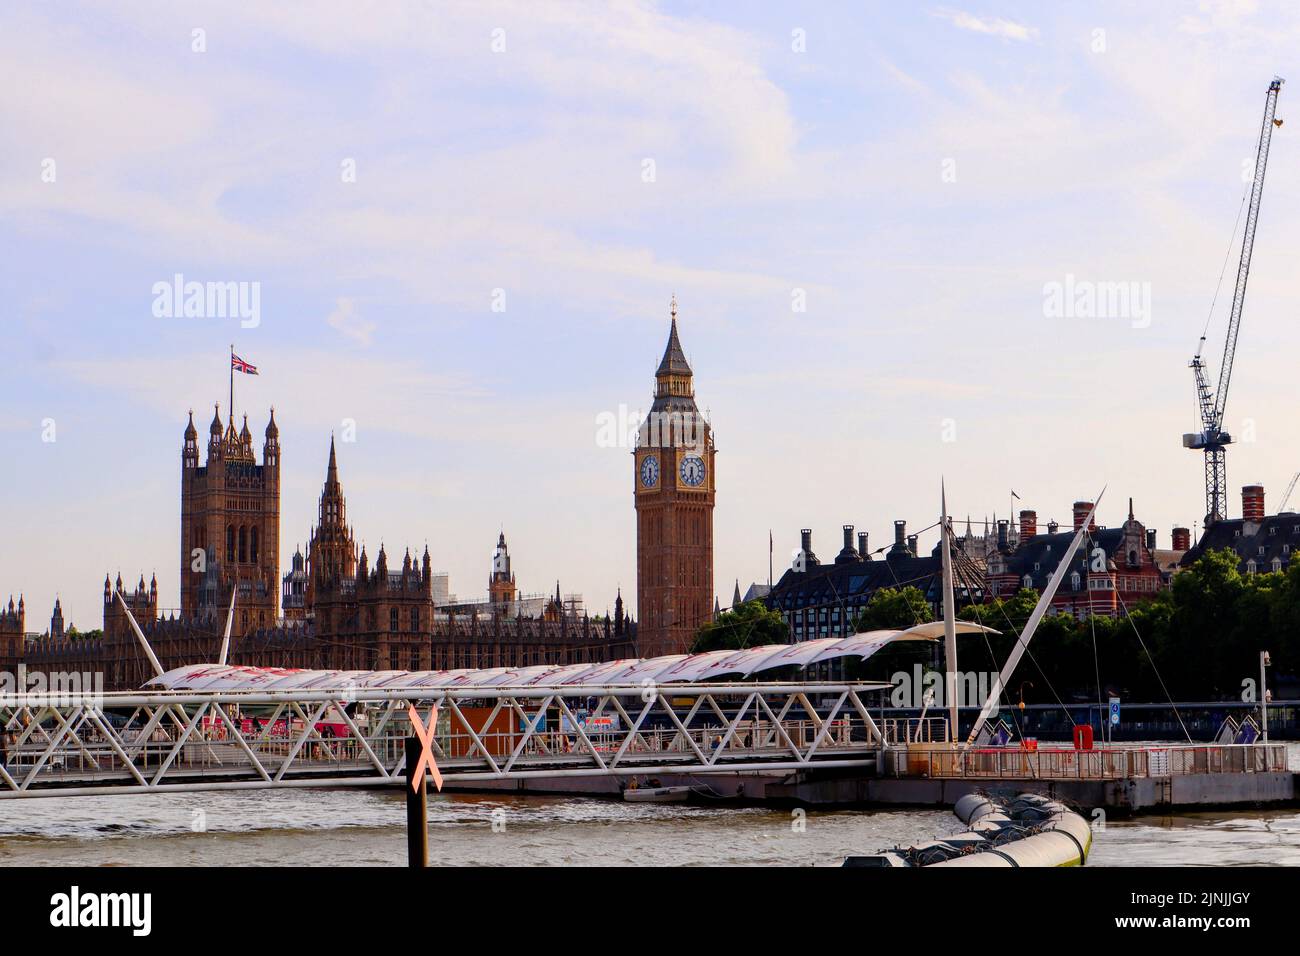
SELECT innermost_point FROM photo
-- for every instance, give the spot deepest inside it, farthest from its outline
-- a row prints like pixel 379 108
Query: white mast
pixel 949 619
pixel 1032 624
pixel 144 642
pixel 230 619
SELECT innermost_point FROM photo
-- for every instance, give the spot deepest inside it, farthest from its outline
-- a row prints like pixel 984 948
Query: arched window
pixel 1029 581
pixel 243 544
pixel 1074 580
pixel 253 548
pixel 1277 564
pixel 230 544
pixel 1250 566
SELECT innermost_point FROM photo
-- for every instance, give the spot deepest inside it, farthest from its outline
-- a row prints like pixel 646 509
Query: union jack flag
pixel 239 365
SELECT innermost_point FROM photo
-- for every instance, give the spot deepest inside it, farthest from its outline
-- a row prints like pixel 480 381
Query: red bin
pixel 1083 736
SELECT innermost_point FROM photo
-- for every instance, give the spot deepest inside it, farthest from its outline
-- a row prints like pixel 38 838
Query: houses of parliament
pixel 336 609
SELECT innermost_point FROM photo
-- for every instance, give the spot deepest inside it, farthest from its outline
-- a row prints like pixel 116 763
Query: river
pixel 366 828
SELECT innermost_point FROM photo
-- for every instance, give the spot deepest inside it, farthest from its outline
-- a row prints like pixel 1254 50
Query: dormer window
pixel 1250 566
pixel 1029 581
pixel 1277 564
pixel 1074 581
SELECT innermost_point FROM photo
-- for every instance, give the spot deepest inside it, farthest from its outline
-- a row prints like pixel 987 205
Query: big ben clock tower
pixel 674 482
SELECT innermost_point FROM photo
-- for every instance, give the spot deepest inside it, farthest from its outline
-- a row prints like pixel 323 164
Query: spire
pixel 215 429
pixel 674 360
pixel 191 433
pixel 735 598
pixel 272 429
pixel 332 473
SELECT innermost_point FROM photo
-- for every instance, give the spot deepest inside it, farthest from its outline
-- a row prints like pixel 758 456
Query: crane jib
pixel 1212 403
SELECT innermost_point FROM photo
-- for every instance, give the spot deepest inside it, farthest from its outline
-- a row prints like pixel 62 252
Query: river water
pixel 367 828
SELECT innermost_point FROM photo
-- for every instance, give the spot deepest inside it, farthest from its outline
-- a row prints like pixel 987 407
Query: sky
pixel 464 224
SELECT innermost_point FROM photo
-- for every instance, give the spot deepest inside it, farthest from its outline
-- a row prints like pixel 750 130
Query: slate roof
pixel 1278 535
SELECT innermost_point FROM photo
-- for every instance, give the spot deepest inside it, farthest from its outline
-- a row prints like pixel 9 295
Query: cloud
pixel 345 320
pixel 992 26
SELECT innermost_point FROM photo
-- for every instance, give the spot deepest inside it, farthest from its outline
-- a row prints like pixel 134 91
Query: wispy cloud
pixel 993 26
pixel 345 319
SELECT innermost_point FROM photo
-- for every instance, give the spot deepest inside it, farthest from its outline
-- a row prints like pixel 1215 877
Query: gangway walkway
pixel 189 740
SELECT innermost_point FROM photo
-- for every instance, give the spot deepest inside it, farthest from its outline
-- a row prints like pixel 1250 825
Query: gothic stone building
pixel 345 614
pixel 673 481
pixel 230 525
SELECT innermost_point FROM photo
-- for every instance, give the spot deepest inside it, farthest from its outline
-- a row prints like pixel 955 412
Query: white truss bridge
pixel 187 740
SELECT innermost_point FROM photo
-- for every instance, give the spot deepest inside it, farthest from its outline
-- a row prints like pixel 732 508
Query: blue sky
pixel 915 174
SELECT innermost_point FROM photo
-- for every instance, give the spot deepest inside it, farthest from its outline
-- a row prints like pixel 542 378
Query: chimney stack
pixel 911 543
pixel 1252 502
pixel 1151 539
pixel 1052 526
pixel 1002 534
pixel 847 554
pixel 900 532
pixel 1081 509
pixel 1182 539
pixel 1028 524
pixel 862 545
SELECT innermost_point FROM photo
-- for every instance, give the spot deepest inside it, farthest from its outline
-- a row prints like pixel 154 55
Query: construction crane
pixel 1289 488
pixel 1213 439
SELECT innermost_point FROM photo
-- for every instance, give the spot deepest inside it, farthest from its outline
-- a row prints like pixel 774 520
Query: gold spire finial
pixel 673 306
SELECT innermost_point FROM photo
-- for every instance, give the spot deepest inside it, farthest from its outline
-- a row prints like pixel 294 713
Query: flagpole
pixel 769 560
pixel 232 385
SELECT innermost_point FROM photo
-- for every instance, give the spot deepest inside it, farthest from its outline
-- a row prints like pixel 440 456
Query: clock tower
pixel 674 492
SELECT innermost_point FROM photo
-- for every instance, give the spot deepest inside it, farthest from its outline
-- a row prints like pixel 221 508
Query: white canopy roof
pixel 673 668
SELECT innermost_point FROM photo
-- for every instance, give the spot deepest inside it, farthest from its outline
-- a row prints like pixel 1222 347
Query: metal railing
pixel 1110 763
pixel 193 740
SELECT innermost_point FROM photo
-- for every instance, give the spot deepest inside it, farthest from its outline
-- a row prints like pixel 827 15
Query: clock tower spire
pixel 674 497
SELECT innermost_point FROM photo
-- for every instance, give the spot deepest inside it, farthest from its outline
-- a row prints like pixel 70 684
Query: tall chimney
pixel 1003 524
pixel 900 532
pixel 862 545
pixel 1052 526
pixel 805 545
pixel 1028 524
pixel 1081 509
pixel 911 543
pixel 1252 502
pixel 1182 539
pixel 1151 539
pixel 848 553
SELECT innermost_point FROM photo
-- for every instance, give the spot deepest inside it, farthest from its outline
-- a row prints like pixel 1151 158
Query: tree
pixel 752 624
pixel 894 609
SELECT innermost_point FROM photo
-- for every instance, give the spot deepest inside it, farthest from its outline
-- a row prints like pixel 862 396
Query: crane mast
pixel 1213 439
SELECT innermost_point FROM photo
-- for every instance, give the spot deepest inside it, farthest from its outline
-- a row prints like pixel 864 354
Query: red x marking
pixel 425 736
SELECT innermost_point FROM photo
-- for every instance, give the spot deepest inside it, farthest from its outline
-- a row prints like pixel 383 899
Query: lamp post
pixel 1264 661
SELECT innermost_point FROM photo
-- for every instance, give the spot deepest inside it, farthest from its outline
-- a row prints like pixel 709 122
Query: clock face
pixel 649 471
pixel 692 470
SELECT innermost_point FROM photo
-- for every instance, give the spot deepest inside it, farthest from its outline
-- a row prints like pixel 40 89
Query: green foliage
pixel 1204 634
pixel 892 608
pixel 749 625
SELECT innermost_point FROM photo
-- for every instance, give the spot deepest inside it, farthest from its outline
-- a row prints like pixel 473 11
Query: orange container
pixel 1083 736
